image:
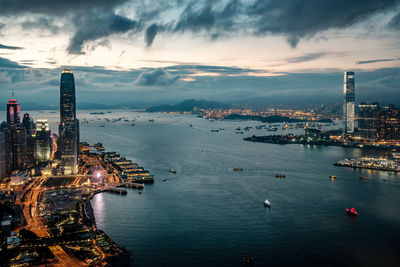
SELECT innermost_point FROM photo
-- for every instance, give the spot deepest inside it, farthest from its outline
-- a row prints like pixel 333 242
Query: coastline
pixel 125 257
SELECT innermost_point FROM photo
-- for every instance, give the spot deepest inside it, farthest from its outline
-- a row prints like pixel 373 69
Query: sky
pixel 128 52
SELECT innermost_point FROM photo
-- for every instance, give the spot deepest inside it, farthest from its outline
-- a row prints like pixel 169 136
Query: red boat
pixel 351 212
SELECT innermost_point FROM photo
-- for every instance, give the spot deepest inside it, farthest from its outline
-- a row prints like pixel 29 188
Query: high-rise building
pixel 16 148
pixel 15 139
pixel 368 120
pixel 69 125
pixel 2 156
pixel 42 141
pixel 389 124
pixel 349 99
pixel 13 112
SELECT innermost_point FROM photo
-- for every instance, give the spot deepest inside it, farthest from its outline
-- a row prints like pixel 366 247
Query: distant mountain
pixel 188 105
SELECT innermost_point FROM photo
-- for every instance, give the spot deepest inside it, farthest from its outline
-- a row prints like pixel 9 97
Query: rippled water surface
pixel 207 214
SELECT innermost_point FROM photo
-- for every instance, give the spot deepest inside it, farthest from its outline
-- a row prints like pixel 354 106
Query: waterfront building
pixel 312 134
pixel 368 120
pixel 42 141
pixel 349 99
pixel 389 123
pixel 69 125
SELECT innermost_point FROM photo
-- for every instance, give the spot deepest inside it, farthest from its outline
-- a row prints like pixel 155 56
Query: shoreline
pixel 125 258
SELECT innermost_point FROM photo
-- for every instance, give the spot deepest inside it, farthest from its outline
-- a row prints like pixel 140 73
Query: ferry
pixel 267 203
pixel 351 212
pixel 172 171
pixel 333 177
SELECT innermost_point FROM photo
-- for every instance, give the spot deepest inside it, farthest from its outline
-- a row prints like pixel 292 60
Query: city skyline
pixel 223 50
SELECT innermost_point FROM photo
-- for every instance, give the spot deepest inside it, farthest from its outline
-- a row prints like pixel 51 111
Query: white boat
pixel 267 204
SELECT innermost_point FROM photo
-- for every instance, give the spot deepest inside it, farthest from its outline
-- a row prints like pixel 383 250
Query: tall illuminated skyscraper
pixel 69 125
pixel 349 99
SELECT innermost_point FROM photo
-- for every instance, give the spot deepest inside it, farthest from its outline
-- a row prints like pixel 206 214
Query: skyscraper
pixel 13 112
pixel 349 99
pixel 42 141
pixel 69 125
pixel 368 120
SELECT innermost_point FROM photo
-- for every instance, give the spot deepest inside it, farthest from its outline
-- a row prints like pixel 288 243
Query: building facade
pixel 69 125
pixel 42 141
pixel 349 100
pixel 368 120
pixel 389 124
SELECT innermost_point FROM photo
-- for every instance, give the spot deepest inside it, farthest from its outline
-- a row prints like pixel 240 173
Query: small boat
pixel 351 212
pixel 248 259
pixel 362 178
pixel 163 179
pixel 215 131
pixel 280 176
pixel 238 169
pixel 267 204
pixel 172 171
pixel 333 177
pixel 140 192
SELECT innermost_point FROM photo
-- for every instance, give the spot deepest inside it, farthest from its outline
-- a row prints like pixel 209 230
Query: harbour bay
pixel 207 213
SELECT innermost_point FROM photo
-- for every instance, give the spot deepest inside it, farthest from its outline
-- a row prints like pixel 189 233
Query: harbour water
pixel 207 214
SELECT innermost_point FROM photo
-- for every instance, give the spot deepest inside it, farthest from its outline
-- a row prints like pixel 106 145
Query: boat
pixel 267 204
pixel 238 169
pixel 363 178
pixel 333 177
pixel 172 171
pixel 151 120
pixel 280 176
pixel 214 131
pixel 248 259
pixel 140 192
pixel 163 179
pixel 351 212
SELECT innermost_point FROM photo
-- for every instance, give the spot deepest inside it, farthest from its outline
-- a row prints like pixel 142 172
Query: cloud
pixel 208 17
pixel 306 57
pixel 55 7
pixel 151 33
pixel 98 25
pixel 157 77
pixel 375 60
pixel 41 23
pixel 10 47
pixel 292 19
pixel 5 63
pixel 305 18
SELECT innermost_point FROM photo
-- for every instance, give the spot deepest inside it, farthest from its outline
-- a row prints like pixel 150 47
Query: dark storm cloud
pixel 208 17
pixel 41 23
pixel 375 60
pixel 157 77
pixel 10 47
pixel 304 18
pixel 151 33
pixel 395 22
pixel 98 26
pixel 55 7
pixel 293 19
pixel 5 63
